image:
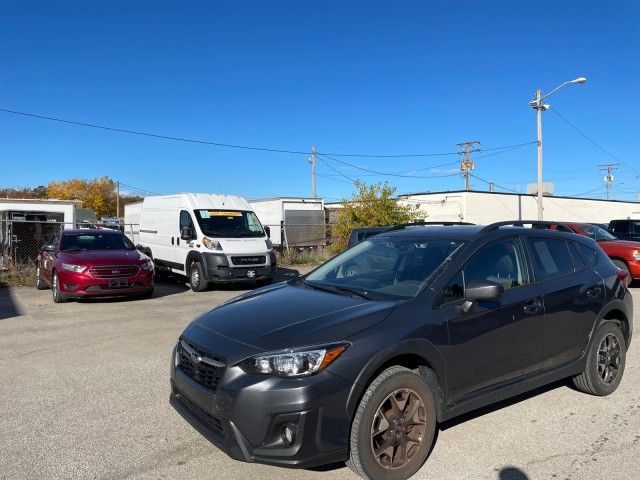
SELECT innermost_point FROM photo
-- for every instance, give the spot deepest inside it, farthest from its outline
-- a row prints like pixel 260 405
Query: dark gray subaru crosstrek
pixel 429 323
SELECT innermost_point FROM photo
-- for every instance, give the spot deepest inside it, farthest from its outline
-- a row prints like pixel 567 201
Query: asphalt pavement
pixel 84 394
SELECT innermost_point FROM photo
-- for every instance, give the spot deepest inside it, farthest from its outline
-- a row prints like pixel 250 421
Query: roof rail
pixel 522 223
pixel 418 224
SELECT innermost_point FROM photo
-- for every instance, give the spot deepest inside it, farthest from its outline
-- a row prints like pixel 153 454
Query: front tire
pixel 196 278
pixel 58 296
pixel 605 361
pixel 394 426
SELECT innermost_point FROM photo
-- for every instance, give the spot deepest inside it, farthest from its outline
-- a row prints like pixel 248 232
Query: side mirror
pixel 481 291
pixel 267 230
pixel 48 248
pixel 187 233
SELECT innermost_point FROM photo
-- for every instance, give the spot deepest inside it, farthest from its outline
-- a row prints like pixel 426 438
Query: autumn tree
pixel 98 194
pixel 370 206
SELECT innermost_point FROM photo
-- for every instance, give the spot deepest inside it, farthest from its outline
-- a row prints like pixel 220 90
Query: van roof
pixel 197 201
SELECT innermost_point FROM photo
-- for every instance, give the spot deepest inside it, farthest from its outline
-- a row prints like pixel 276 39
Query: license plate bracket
pixel 118 283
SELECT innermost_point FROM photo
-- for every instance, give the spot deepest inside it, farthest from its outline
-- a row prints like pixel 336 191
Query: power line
pixel 154 135
pixel 466 164
pixel 142 190
pixel 384 174
pixel 352 181
pixel 230 145
pixel 333 178
pixel 493 183
pixel 591 140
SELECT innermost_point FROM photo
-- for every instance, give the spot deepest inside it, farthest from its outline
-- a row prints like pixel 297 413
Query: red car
pixel 93 263
pixel 625 254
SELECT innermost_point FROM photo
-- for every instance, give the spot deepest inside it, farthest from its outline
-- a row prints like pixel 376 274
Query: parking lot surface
pixel 85 388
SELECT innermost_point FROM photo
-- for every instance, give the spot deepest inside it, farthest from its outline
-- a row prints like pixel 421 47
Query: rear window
pixel 588 254
pixel 551 258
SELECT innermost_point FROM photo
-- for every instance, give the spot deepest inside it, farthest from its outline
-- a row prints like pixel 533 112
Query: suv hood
pixel 285 316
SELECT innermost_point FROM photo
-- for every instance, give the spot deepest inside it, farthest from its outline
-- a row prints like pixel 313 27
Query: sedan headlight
pixel 636 255
pixel 212 244
pixel 148 265
pixel 69 267
pixel 295 363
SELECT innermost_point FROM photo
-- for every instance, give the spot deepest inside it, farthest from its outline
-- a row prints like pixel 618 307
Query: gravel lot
pixel 84 394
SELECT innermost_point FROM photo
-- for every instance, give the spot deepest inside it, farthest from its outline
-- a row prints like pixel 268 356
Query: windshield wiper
pixel 340 290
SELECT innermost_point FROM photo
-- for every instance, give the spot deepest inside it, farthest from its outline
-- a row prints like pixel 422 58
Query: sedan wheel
pixel 58 296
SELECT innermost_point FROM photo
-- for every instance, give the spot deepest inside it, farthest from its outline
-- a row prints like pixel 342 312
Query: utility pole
pixel 608 170
pixel 466 164
pixel 118 200
pixel 312 161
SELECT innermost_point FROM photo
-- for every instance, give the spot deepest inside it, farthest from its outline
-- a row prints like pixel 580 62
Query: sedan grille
pixel 114 271
pixel 198 366
pixel 249 260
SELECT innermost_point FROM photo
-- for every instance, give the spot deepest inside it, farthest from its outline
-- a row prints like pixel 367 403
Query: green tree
pixel 370 206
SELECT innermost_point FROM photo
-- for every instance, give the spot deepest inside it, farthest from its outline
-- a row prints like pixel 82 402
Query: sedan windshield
pixel 95 241
pixel 384 267
pixel 229 223
pixel 597 233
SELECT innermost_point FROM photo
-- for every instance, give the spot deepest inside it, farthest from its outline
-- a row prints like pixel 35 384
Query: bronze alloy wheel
pixel 609 358
pixel 398 428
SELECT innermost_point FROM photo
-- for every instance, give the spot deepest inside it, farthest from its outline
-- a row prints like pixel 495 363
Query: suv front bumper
pixel 246 414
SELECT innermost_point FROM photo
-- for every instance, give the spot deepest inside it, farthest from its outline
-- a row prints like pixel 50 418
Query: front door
pixel 495 341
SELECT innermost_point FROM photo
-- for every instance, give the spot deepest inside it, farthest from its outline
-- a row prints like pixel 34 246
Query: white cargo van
pixel 208 238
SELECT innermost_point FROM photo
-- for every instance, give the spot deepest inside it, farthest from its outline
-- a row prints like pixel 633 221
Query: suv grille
pixel 114 271
pixel 198 366
pixel 249 260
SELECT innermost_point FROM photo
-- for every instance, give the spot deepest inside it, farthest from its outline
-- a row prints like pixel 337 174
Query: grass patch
pixel 304 256
pixel 18 276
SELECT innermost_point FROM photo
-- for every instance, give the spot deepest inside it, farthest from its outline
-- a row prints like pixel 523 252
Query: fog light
pixel 68 286
pixel 289 433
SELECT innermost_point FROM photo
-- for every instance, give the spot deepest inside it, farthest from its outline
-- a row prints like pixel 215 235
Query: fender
pixel 615 304
pixel 195 256
pixel 422 348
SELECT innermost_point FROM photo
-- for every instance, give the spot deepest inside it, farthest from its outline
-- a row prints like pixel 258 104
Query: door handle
pixel 172 241
pixel 533 306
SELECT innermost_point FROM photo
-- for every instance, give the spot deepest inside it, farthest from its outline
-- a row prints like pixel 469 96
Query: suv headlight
pixel 69 267
pixel 212 244
pixel 294 363
pixel 148 265
pixel 636 255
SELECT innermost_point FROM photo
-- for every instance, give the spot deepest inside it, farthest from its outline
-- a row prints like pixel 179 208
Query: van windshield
pixel 229 223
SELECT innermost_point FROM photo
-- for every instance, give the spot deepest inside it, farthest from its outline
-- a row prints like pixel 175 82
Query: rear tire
pixel 58 296
pixel 605 361
pixel 394 426
pixel 40 285
pixel 196 278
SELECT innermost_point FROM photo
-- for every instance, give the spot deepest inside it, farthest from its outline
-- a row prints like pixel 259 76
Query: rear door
pixel 496 341
pixel 573 295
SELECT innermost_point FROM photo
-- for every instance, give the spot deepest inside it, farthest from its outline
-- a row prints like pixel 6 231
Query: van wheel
pixel 394 426
pixel 605 361
pixel 58 296
pixel 40 285
pixel 196 278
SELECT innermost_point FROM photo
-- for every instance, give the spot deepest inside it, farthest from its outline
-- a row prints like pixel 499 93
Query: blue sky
pixel 350 77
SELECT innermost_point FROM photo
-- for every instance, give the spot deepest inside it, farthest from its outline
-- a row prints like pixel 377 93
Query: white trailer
pixel 294 221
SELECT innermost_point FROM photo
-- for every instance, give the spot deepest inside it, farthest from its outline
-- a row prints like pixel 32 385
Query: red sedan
pixel 625 254
pixel 93 263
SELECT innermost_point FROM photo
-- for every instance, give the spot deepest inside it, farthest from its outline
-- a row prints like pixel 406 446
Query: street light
pixel 537 104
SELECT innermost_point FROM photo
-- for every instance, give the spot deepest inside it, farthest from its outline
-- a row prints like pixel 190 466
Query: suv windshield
pixel 389 267
pixel 229 223
pixel 597 233
pixel 95 241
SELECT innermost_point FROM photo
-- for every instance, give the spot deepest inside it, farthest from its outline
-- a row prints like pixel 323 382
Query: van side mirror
pixel 187 233
pixel 482 291
pixel 267 230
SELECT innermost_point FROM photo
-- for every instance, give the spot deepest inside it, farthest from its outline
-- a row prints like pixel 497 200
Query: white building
pixel 293 221
pixel 487 207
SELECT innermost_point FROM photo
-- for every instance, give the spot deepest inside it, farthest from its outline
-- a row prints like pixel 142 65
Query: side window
pixel 619 227
pixel 635 227
pixel 589 255
pixel 501 261
pixel 550 257
pixel 577 258
pixel 454 290
pixel 185 221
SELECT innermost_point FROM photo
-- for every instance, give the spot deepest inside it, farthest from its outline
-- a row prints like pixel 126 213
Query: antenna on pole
pixel 608 170
pixel 466 164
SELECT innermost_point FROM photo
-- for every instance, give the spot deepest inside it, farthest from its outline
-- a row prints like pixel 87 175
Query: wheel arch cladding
pixel 428 363
pixel 194 256
pixel 617 315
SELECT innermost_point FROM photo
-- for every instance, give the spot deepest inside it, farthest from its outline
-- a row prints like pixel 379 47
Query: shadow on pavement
pixel 8 308
pixel 512 473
